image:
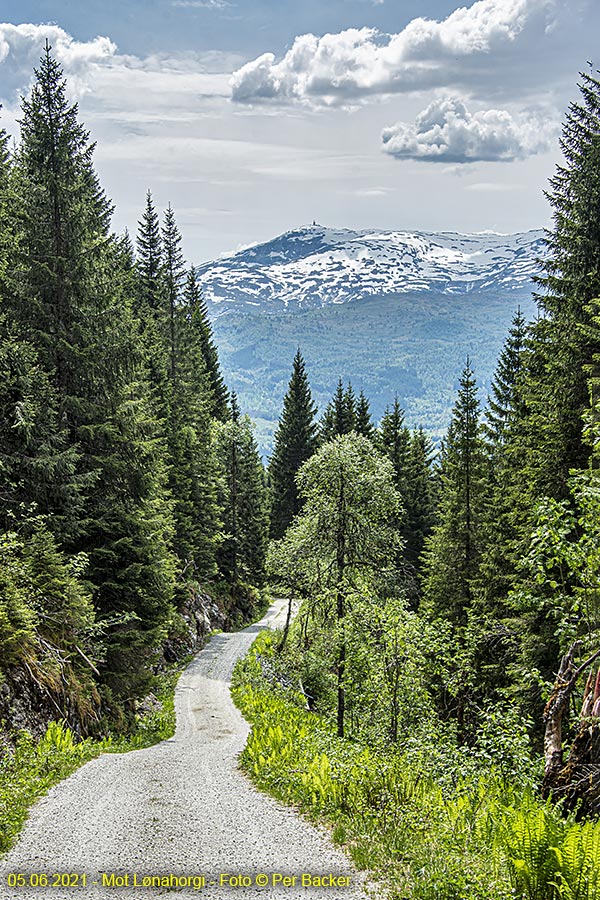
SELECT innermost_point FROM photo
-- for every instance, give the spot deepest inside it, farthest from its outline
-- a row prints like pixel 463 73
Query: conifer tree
pixel 420 500
pixel 72 302
pixel 454 548
pixel 150 256
pixel 394 439
pixel 242 553
pixel 505 403
pixel 197 316
pixel 294 442
pixel 363 424
pixel 561 351
pixel 340 414
pixel 173 275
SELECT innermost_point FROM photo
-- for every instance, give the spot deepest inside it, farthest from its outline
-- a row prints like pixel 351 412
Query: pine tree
pixel 194 468
pixel 72 300
pixel 363 423
pixel 150 256
pixel 453 551
pixel 505 403
pixel 294 442
pixel 242 554
pixel 340 414
pixel 393 439
pixel 561 350
pixel 420 500
pixel 173 276
pixel 197 315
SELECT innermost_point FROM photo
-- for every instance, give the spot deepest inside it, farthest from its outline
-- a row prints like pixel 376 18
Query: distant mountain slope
pixel 395 312
pixel 316 266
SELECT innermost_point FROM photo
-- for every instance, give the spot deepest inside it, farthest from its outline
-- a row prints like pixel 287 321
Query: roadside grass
pixel 478 836
pixel 32 767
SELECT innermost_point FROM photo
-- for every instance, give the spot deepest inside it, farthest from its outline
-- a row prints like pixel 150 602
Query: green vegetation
pixel 30 768
pixel 432 823
pixel 449 626
pixel 115 466
pixel 408 702
pixel 400 345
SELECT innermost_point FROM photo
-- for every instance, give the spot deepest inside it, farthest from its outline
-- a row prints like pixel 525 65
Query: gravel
pixel 178 810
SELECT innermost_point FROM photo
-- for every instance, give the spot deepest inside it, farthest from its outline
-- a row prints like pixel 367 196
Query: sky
pixel 253 117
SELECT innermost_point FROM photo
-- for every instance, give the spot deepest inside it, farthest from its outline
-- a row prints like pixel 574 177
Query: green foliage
pixel 505 402
pixel 31 768
pixel 395 345
pixel 294 442
pixel 201 335
pixel 454 549
pixel 474 834
pixel 241 555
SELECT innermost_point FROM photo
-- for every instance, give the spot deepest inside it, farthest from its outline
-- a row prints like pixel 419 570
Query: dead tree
pixel 575 782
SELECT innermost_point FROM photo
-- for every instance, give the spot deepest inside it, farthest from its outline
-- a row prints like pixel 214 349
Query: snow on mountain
pixel 316 266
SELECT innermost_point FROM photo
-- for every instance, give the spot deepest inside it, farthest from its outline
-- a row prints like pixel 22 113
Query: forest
pixel 436 698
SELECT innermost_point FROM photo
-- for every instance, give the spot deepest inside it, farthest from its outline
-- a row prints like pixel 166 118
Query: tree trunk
pixel 577 782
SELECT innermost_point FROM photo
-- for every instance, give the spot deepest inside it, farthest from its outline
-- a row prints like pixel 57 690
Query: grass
pixel 474 837
pixel 32 767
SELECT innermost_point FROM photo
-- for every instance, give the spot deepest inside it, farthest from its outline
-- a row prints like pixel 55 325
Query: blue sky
pixel 253 116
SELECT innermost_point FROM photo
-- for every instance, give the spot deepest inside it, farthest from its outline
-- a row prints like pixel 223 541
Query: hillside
pixel 395 312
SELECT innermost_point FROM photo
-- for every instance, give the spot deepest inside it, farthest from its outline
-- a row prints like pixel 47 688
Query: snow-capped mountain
pixel 316 266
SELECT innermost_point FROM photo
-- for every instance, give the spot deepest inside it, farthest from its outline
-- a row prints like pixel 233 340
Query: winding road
pixel 179 813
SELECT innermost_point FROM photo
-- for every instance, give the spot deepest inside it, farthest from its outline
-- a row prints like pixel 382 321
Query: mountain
pixel 394 312
pixel 315 266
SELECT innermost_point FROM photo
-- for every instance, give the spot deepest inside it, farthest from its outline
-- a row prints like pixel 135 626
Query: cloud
pixel 122 85
pixel 360 62
pixel 202 4
pixel 446 131
pixel 22 46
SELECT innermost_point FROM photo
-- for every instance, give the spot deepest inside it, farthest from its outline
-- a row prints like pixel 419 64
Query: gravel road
pixel 179 811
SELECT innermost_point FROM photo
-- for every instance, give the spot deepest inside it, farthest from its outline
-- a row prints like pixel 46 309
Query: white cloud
pixel 343 67
pixel 202 4
pixel 22 45
pixel 446 131
pixel 123 86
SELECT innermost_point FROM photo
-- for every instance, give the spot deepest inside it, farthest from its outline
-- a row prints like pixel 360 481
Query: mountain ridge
pixel 315 266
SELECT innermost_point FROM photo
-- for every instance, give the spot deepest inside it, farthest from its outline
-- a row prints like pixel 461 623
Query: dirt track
pixel 180 808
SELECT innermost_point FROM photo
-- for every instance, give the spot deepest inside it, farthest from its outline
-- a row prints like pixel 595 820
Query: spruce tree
pixel 561 350
pixel 173 276
pixel 150 256
pixel 420 497
pixel 393 439
pixel 294 442
pixel 363 424
pixel 453 551
pixel 72 301
pixel 242 554
pixel 197 316
pixel 340 414
pixel 505 403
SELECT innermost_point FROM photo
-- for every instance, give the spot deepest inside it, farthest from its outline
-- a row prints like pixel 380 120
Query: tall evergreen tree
pixel 561 350
pixel 294 442
pixel 150 256
pixel 173 276
pixel 242 553
pixel 505 403
pixel 363 424
pixel 340 414
pixel 419 498
pixel 454 548
pixel 393 439
pixel 197 316
pixel 71 299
